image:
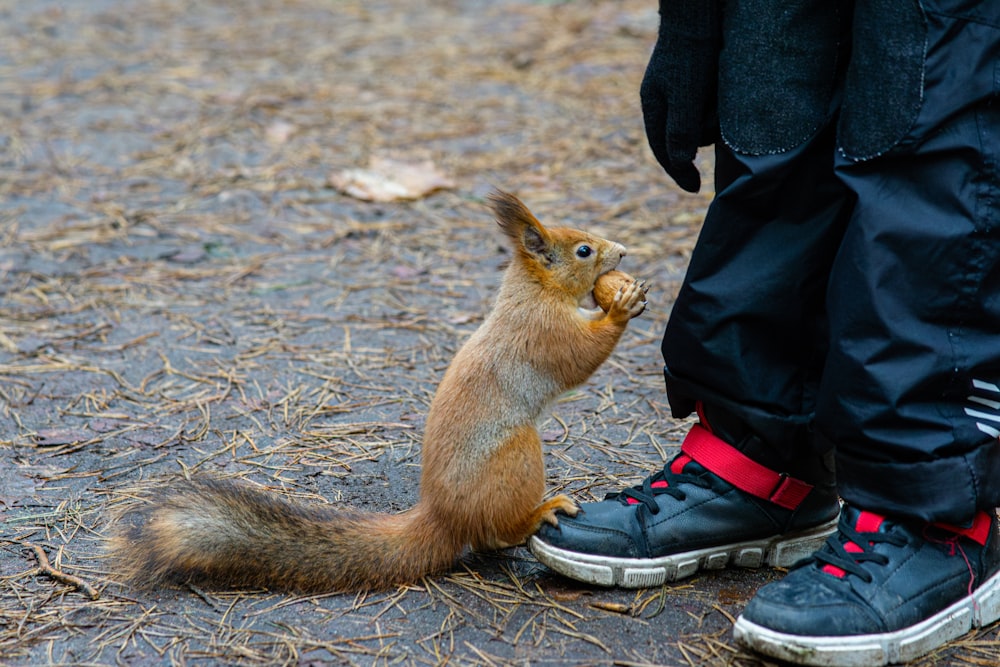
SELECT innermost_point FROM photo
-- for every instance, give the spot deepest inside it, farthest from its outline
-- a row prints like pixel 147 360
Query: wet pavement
pixel 183 290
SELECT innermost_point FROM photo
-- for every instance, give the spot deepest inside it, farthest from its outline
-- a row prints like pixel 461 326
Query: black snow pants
pixel 844 293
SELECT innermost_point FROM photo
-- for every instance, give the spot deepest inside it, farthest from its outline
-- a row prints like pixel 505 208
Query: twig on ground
pixel 44 567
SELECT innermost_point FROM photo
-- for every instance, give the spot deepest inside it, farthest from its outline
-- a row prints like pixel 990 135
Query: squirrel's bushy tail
pixel 223 534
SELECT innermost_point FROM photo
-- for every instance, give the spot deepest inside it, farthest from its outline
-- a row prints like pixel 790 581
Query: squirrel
pixel 482 478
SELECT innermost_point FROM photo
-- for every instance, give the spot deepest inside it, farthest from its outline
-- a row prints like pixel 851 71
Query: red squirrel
pixel 482 478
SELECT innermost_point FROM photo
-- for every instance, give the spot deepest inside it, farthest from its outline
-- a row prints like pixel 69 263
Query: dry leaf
pixel 553 435
pixel 15 488
pixel 279 132
pixel 52 437
pixel 188 255
pixel 406 272
pixel 568 596
pixel 615 607
pixel 387 180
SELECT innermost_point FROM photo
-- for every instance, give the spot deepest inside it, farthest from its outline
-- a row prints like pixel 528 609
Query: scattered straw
pixel 181 292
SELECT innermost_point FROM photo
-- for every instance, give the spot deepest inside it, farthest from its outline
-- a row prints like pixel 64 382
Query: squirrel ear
pixel 519 224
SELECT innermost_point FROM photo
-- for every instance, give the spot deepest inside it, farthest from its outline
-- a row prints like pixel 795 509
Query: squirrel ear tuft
pixel 519 224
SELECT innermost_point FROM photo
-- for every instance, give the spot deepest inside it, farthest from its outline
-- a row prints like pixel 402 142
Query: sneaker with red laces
pixel 711 507
pixel 879 592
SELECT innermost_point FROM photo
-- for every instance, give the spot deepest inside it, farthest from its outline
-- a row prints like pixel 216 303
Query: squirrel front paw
pixel 630 301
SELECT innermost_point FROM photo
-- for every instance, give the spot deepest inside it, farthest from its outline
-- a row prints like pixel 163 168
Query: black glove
pixel 678 93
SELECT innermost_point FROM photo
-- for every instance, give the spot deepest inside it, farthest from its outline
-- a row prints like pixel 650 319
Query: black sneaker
pixel 710 507
pixel 879 592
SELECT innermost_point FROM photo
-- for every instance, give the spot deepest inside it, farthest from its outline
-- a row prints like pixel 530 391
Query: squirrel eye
pixel 584 251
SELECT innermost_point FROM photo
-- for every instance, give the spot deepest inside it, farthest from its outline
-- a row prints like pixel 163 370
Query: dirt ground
pixel 183 290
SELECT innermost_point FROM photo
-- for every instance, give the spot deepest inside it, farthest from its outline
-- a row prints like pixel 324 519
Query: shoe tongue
pixel 678 464
pixel 860 520
pixel 863 522
pixel 868 522
pixel 681 464
pixel 659 480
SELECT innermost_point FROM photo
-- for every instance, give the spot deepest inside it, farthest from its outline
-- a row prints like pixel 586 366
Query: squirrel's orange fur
pixel 482 478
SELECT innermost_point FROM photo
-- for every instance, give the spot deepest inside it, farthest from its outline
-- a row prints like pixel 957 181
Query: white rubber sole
pixel 777 551
pixel 974 611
